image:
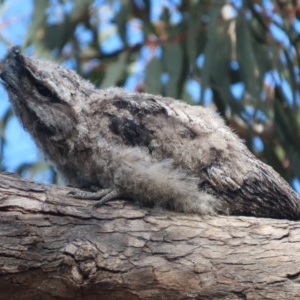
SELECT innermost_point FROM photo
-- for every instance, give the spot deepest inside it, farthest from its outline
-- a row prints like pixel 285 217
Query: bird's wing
pixel 195 137
pixel 199 142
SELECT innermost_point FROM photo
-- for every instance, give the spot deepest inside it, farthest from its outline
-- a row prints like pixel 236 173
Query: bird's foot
pixel 101 195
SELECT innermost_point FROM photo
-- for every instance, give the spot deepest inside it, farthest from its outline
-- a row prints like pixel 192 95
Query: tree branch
pixel 54 246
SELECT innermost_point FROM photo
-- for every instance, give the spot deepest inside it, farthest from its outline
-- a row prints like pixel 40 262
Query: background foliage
pixel 240 56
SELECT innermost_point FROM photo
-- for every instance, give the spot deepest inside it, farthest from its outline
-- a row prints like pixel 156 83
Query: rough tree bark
pixel 54 246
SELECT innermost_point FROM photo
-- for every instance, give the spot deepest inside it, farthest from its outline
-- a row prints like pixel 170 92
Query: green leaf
pixel 114 71
pixel 37 26
pixel 245 55
pixel 172 60
pixel 45 36
pixel 153 76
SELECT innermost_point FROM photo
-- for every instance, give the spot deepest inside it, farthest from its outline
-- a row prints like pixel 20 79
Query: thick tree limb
pixel 54 246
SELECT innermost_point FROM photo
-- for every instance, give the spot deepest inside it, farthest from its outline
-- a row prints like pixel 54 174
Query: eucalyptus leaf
pixel 114 71
pixel 172 61
pixel 153 82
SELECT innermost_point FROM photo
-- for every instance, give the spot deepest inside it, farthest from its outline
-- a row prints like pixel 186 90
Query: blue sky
pixel 15 17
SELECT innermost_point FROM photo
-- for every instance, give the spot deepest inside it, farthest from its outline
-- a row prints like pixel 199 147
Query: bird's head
pixel 46 97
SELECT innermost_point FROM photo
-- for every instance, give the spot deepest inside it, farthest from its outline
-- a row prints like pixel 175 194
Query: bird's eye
pixel 54 100
pixel 43 91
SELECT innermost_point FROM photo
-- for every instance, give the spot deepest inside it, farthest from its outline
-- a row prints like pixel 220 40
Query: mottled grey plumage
pixel 150 149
